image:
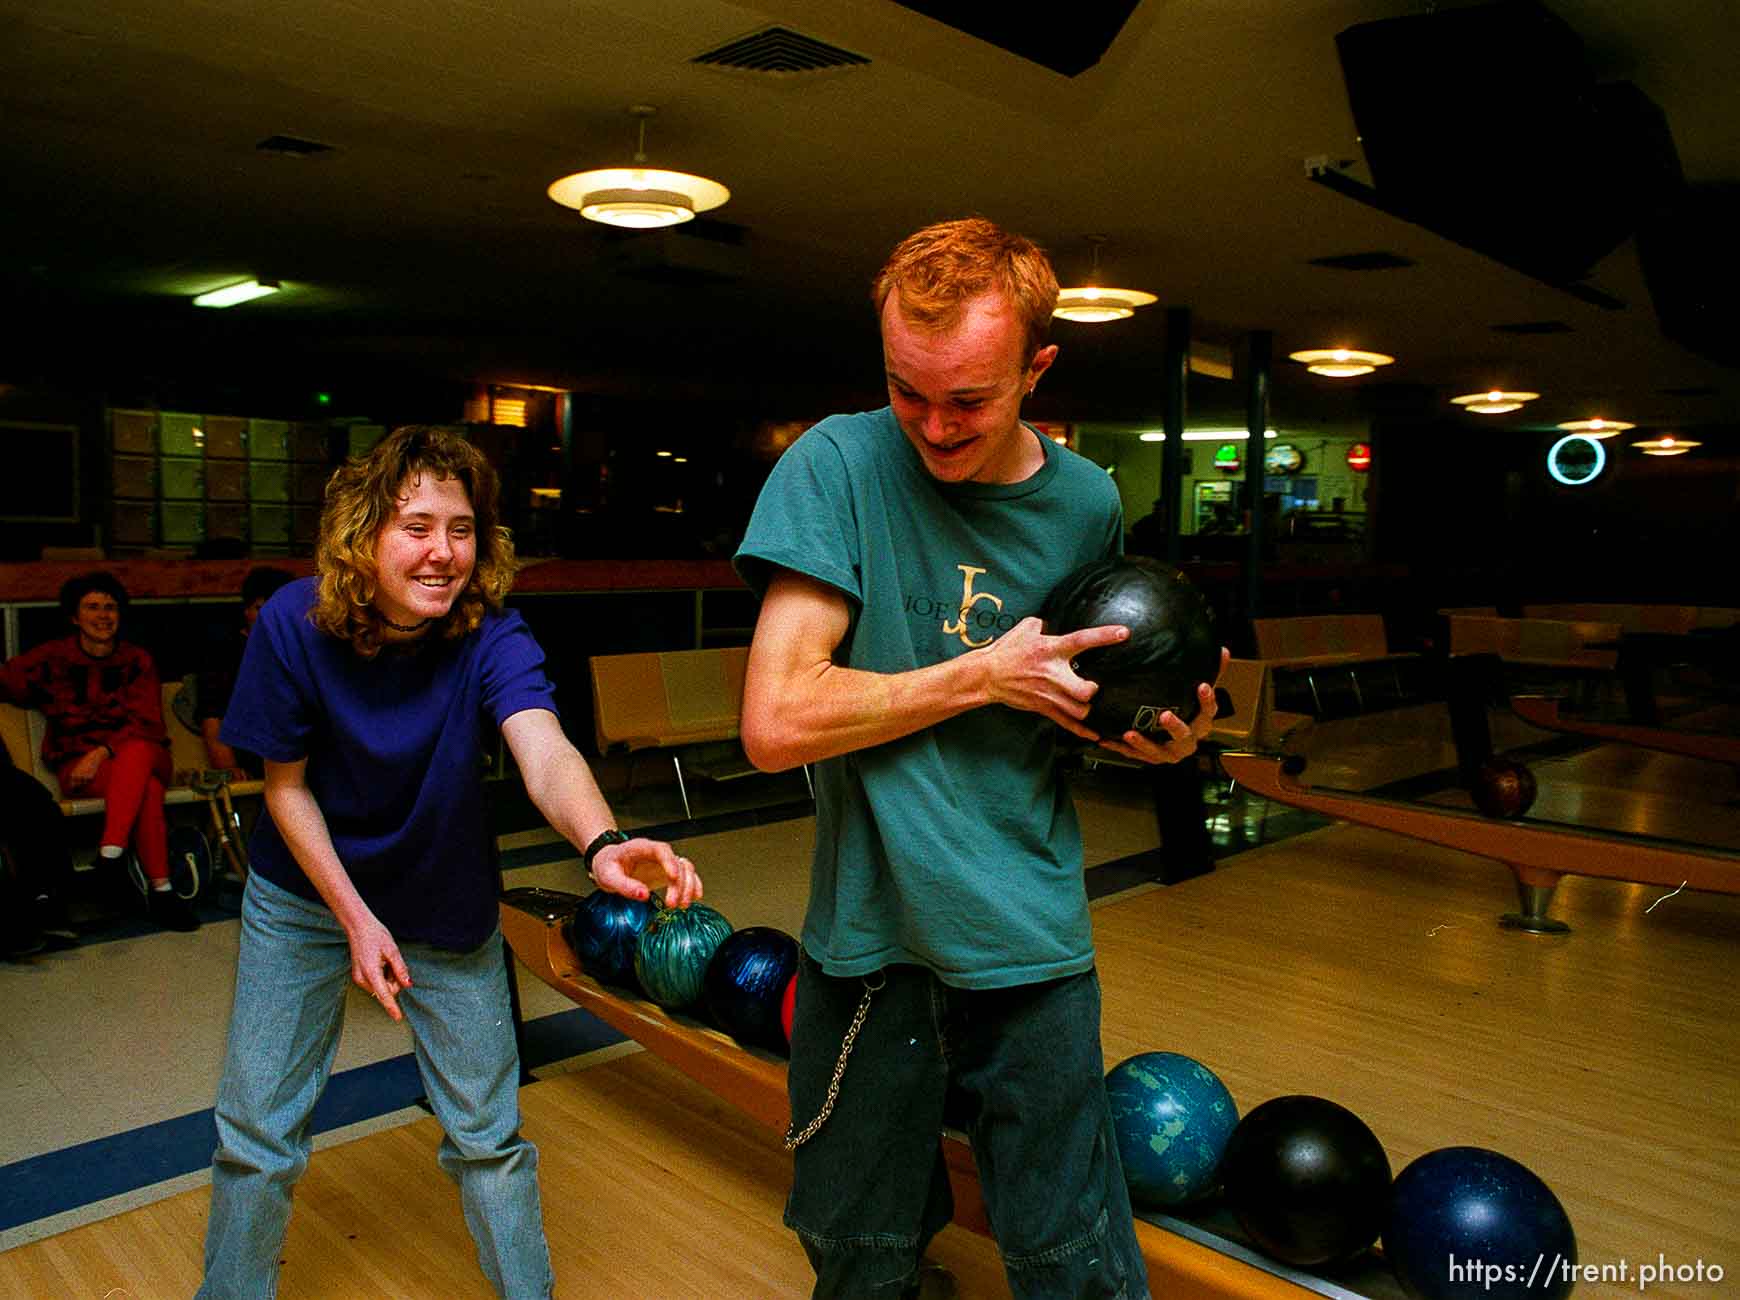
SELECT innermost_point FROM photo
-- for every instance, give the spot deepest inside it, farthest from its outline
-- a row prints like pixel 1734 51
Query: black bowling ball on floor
pixel 1172 647
pixel 1307 1180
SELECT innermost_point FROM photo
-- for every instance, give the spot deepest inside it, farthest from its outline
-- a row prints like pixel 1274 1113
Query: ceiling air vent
pixel 1534 327
pixel 779 51
pixel 294 146
pixel 1378 260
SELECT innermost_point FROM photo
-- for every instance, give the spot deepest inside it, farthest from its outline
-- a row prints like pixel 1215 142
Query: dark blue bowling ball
pixel 1465 1222
pixel 1172 1117
pixel 1307 1180
pixel 746 982
pixel 603 931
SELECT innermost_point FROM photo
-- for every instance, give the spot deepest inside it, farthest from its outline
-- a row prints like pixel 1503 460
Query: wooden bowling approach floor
pixel 1346 963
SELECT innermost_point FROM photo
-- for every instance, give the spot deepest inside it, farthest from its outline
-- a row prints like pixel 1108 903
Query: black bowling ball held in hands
pixel 1172 647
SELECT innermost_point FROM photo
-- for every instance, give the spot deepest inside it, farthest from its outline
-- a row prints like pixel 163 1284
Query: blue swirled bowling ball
pixel 672 953
pixel 1172 1116
pixel 746 983
pixel 1307 1180
pixel 1171 649
pixel 1458 1207
pixel 603 931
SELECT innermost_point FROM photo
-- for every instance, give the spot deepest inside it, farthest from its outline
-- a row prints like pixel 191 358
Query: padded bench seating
pixel 1254 723
pixel 687 702
pixel 1321 639
pixel 1669 620
pixel 22 731
pixel 1337 665
pixel 1538 642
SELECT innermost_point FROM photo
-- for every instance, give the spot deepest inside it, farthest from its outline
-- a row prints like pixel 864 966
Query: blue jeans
pixel 1020 1069
pixel 291 979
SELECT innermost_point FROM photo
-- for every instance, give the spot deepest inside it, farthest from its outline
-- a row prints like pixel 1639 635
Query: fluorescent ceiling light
pixel 229 296
pixel 1203 435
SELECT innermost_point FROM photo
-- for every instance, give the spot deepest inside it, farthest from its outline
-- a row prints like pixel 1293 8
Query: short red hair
pixel 940 268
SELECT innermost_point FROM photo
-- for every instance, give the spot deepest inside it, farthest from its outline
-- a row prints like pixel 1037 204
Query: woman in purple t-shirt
pixel 370 693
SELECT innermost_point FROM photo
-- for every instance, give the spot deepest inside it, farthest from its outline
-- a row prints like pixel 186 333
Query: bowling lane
pixel 1367 968
pixel 652 1188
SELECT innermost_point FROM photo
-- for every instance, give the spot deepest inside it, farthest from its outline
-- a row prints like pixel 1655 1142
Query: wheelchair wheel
pixel 190 864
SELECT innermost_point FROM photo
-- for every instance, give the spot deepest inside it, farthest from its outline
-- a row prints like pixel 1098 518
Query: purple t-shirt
pixel 395 748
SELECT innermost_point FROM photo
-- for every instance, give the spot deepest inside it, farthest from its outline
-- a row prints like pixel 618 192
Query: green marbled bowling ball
pixel 671 955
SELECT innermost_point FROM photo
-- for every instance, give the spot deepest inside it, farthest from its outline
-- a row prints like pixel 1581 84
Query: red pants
pixel 132 783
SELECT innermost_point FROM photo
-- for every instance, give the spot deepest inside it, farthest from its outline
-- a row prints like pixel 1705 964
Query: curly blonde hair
pixel 938 269
pixel 363 497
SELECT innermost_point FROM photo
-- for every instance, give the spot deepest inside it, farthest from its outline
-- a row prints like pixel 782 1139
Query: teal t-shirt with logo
pixel 957 847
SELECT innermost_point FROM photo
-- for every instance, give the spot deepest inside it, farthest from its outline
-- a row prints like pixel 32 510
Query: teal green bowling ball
pixel 672 952
pixel 1172 1116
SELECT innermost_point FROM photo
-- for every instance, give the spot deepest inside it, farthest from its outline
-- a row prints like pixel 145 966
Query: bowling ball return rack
pixel 1200 1256
pixel 1538 854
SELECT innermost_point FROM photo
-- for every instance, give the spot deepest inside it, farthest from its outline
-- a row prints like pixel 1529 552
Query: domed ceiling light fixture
pixel 1597 428
pixel 1666 445
pixel 1340 363
pixel 1493 402
pixel 1092 303
pixel 638 197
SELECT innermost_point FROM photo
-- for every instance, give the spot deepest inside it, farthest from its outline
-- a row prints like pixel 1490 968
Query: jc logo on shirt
pixel 969 598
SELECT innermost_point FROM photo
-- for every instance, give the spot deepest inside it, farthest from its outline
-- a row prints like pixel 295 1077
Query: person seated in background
pixel 213 684
pixel 105 737
pixel 35 866
pixel 1147 536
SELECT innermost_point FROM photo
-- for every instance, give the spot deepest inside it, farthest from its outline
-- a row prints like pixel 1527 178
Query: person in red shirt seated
pixel 105 736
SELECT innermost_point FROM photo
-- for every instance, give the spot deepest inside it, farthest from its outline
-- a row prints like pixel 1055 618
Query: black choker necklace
pixel 402 627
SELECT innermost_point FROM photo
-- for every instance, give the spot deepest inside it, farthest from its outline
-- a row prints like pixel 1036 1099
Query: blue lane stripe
pixel 56 1181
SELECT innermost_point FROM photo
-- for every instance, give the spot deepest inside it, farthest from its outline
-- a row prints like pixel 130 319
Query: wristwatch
pixel 604 840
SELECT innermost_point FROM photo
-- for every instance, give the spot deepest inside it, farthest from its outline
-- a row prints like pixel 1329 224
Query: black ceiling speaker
pixel 1687 254
pixel 1067 39
pixel 1485 125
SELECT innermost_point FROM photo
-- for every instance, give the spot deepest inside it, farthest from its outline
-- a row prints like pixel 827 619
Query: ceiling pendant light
pixel 638 197
pixel 1494 402
pixel 1666 445
pixel 1597 428
pixel 1340 363
pixel 1094 304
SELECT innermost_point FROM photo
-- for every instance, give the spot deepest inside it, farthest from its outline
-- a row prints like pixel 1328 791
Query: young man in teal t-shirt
pixel 902 556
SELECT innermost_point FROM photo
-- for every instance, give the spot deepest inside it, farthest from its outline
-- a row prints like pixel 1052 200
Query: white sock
pixel 160 886
pixel 111 851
